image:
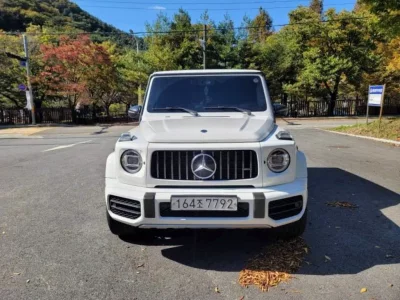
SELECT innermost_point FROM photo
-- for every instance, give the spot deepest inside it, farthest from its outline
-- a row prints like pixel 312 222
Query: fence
pixel 61 116
pixel 295 108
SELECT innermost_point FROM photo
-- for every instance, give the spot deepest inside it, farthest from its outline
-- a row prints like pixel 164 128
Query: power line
pixel 183 31
pixel 197 3
pixel 161 8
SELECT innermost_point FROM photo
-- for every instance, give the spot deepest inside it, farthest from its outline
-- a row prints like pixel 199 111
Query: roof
pixel 211 71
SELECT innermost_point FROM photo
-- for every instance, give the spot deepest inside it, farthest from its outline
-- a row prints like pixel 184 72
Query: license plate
pixel 226 203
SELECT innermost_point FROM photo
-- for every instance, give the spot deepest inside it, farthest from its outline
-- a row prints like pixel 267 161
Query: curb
pixel 365 137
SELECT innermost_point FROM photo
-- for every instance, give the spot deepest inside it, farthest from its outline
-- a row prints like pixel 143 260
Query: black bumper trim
pixel 259 205
pixel 149 205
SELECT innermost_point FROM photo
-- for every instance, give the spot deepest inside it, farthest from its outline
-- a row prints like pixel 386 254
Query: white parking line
pixel 66 146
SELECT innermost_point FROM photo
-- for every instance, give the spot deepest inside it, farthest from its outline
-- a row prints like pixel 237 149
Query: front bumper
pixel 257 199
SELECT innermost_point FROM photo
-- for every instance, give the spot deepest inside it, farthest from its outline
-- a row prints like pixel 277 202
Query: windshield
pixel 207 93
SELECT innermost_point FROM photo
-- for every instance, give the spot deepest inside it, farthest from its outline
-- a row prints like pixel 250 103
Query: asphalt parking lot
pixel 55 243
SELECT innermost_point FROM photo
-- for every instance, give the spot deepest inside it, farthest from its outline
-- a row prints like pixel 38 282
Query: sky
pixel 134 14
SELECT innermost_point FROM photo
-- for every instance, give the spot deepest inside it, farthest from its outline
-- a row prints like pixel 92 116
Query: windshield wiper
pixel 169 108
pixel 245 111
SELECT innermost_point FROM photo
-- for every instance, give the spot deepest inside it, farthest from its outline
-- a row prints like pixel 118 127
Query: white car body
pixel 211 131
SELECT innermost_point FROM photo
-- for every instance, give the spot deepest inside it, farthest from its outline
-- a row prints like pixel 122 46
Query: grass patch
pixel 390 129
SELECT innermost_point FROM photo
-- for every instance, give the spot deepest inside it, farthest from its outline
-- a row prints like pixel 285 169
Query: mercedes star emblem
pixel 203 166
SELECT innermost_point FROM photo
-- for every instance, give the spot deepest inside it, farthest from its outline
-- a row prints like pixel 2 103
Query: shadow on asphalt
pixel 102 130
pixel 354 239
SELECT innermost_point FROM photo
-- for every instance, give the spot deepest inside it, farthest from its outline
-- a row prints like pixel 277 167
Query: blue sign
pixel 375 95
pixel 22 63
pixel 22 87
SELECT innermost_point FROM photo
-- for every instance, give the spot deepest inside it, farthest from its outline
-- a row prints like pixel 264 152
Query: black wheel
pixel 292 230
pixel 119 228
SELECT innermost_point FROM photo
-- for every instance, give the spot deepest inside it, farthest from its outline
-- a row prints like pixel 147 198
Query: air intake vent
pixel 285 208
pixel 229 164
pixel 125 207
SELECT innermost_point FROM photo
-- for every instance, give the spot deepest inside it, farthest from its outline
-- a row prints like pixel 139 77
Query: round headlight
pixel 131 161
pixel 278 160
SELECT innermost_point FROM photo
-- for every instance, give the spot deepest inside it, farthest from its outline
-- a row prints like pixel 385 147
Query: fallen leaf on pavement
pixel 363 290
pixel 343 204
pixel 327 258
pixel 391 285
pixel 16 273
pixel 139 266
pixel 274 264
pixel 216 289
pixel 28 281
pixel 241 298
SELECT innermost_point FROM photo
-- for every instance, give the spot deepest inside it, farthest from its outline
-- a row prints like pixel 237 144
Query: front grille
pixel 285 208
pixel 231 164
pixel 124 207
pixel 242 212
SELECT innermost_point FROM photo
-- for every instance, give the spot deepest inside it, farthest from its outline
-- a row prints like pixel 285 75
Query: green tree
pixel 388 12
pixel 224 44
pixel 260 26
pixel 280 59
pixel 337 51
pixel 11 73
pixel 317 6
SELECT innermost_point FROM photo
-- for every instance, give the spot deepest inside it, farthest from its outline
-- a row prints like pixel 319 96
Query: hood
pixel 216 129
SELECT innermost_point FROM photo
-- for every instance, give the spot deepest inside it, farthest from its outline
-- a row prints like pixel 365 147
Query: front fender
pixel 110 166
pixel 301 165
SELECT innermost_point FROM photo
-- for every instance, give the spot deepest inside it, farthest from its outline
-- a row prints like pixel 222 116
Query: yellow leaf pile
pixel 274 265
pixel 341 204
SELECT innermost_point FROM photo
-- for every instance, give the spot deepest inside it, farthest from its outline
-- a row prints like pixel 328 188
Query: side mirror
pixel 280 110
pixel 134 111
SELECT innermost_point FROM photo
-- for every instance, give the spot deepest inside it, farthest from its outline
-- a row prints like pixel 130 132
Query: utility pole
pixel 204 44
pixel 28 78
pixel 140 100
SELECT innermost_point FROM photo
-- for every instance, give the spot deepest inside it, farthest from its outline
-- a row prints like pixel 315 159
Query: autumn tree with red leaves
pixel 74 68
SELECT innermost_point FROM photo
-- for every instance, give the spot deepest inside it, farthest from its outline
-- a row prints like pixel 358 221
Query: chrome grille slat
pixel 220 164
pixel 228 165
pixel 251 162
pixel 158 166
pixel 172 165
pixel 242 164
pixel 165 164
pixel 187 166
pixel 235 164
pixel 231 164
pixel 179 165
pixel 194 154
pixel 212 153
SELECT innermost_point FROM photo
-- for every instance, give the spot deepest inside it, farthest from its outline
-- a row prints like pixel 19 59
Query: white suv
pixel 206 154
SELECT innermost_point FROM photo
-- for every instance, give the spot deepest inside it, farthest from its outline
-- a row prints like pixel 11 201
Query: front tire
pixel 292 230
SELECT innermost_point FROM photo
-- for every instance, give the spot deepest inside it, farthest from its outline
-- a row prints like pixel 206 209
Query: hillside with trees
pixel 78 61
